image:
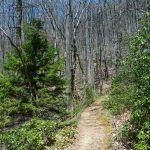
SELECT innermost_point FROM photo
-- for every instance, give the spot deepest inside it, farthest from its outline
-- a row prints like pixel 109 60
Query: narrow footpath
pixel 93 129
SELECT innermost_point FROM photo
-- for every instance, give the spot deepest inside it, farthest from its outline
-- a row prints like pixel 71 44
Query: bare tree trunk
pixel 74 66
pixel 98 39
pixel 69 54
pixel 90 72
pixel 19 23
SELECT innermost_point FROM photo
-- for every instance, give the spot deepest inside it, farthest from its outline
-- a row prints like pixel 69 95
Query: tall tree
pixel 89 58
pixel 68 44
pixel 19 22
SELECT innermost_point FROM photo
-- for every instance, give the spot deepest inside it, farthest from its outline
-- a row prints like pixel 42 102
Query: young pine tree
pixel 31 85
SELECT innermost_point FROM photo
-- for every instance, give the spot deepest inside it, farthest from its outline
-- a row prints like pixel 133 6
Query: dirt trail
pixel 93 129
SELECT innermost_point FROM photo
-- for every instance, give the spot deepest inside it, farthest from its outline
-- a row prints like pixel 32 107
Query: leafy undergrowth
pixel 65 136
pixel 131 90
pixel 119 97
pixel 34 134
pixel 39 135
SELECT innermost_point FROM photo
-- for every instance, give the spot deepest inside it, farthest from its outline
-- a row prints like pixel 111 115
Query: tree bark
pixel 89 61
pixel 68 44
pixel 19 23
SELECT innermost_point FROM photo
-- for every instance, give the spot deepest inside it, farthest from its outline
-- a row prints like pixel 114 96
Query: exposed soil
pixel 97 128
pixel 93 129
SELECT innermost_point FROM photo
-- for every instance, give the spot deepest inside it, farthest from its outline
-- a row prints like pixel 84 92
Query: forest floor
pixel 94 129
pixel 97 128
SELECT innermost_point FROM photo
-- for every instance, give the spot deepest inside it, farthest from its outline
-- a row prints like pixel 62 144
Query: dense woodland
pixel 55 57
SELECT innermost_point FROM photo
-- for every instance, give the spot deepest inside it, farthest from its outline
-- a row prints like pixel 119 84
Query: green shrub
pixel 122 90
pixel 133 88
pixel 140 119
pixel 65 135
pixel 118 101
pixel 31 135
